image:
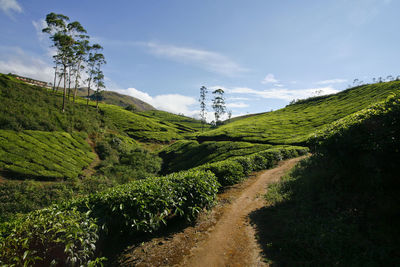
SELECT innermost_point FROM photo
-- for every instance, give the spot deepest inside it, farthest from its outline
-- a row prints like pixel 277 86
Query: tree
pixel 64 36
pixel 94 63
pixel 218 105
pixel 81 49
pixel 202 100
pixel 229 114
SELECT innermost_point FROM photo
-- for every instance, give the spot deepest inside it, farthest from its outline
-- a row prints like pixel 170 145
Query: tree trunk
pixel 59 81
pixel 88 95
pixel 76 80
pixel 65 89
pixel 55 79
pixel 69 82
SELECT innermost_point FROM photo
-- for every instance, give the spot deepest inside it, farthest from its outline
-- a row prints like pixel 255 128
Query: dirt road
pixel 223 237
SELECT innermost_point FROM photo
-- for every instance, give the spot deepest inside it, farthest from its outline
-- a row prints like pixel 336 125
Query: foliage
pixel 145 205
pixel 218 105
pixel 293 124
pixel 124 160
pixel 341 205
pixel 43 155
pixel 233 170
pixel 49 237
pixel 184 154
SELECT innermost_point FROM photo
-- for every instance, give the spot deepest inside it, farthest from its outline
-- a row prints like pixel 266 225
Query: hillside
pixel 114 98
pixel 294 123
pixel 341 205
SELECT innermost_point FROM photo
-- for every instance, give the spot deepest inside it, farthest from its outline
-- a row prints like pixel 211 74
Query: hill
pixel 294 123
pixel 341 205
pixel 114 98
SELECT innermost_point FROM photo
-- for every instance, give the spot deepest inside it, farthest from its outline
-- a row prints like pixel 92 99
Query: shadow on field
pixel 115 248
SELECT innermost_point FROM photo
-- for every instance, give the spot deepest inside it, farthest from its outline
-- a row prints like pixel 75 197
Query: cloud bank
pixel 10 6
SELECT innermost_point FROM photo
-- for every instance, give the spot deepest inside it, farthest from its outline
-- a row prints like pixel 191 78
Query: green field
pixel 295 123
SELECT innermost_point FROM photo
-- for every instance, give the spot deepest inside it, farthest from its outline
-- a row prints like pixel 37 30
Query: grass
pixel 43 155
pixel 294 123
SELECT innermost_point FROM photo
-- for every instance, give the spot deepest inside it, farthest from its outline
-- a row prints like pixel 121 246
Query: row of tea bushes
pixel 233 170
pixel 44 155
pixel 68 234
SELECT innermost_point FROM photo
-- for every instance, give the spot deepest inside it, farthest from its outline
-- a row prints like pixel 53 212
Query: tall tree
pixel 218 105
pixel 94 63
pixel 202 100
pixel 64 37
pixel 81 49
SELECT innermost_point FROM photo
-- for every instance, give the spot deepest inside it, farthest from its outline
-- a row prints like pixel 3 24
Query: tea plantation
pixel 75 184
pixel 294 124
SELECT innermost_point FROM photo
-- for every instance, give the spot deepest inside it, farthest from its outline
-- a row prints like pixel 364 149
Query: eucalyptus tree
pixel 218 105
pixel 94 62
pixel 81 49
pixel 64 36
pixel 202 100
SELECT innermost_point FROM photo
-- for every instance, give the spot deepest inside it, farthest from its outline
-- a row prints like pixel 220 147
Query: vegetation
pixel 43 155
pixel 184 124
pixel 49 237
pixel 232 171
pixel 202 100
pixel 184 154
pixel 344 214
pixel 294 124
pixel 218 105
pixel 69 233
pixel 114 98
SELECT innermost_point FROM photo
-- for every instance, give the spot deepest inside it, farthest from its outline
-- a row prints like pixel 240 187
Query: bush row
pixel 44 155
pixel 67 234
pixel 233 170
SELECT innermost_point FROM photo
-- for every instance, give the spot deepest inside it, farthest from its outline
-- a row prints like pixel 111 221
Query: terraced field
pixel 43 155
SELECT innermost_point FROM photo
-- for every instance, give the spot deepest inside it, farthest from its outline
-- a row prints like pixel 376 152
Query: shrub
pixel 49 237
pixel 144 205
pixel 228 172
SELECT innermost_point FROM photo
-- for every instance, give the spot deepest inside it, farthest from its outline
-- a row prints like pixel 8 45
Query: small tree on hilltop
pixel 218 105
pixel 202 100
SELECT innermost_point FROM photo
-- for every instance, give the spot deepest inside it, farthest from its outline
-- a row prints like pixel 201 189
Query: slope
pixel 114 98
pixel 294 123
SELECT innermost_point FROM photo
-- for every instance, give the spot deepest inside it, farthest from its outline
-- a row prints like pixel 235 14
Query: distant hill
pixel 114 98
pixel 294 123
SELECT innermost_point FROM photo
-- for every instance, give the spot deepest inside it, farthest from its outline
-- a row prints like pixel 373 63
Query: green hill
pixel 114 98
pixel 294 123
pixel 341 205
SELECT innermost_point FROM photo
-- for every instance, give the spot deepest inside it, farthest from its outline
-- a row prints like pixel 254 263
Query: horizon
pixel 263 54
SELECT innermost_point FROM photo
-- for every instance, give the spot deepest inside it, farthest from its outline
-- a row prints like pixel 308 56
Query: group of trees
pixel 73 54
pixel 218 105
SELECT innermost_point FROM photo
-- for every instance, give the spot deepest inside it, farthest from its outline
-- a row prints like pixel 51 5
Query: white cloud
pixel 9 6
pixel 332 81
pixel 284 94
pixel 270 78
pixel 237 105
pixel 174 103
pixel 39 25
pixel 15 60
pixel 208 60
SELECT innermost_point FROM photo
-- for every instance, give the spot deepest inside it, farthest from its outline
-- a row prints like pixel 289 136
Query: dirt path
pixel 223 237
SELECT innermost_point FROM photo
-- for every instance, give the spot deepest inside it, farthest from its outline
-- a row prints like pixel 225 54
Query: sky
pixel 262 53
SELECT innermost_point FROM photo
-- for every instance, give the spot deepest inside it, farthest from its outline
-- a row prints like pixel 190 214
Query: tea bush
pixel 144 205
pixel 50 236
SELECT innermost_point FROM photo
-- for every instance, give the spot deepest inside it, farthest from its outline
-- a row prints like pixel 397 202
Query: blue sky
pixel 263 53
